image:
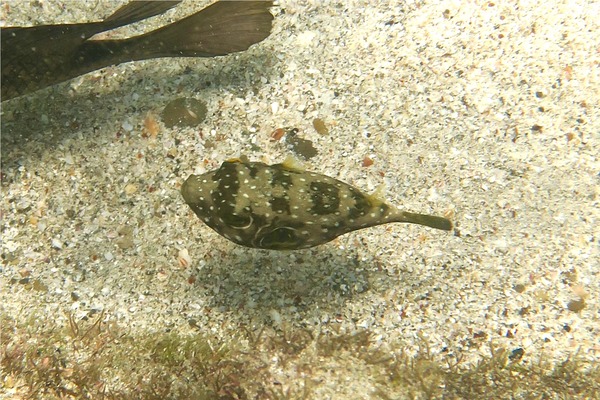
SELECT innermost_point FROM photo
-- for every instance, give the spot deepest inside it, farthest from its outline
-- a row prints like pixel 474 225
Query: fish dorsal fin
pixel 293 164
pixel 241 159
pixel 137 11
pixel 377 198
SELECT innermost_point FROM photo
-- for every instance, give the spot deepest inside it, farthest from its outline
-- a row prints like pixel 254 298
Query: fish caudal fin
pixel 219 29
pixel 431 221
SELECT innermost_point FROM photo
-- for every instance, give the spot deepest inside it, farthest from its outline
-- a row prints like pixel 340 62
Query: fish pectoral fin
pixel 241 159
pixel 291 163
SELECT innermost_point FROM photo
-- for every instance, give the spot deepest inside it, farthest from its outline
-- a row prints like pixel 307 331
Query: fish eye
pixel 236 221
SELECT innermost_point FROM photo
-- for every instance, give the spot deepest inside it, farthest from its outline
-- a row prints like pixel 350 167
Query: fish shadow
pixel 51 115
pixel 254 283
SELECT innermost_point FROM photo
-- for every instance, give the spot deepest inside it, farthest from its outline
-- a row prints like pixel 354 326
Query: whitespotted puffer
pixel 282 207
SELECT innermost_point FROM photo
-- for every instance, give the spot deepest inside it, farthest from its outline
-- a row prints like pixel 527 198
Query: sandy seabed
pixel 487 113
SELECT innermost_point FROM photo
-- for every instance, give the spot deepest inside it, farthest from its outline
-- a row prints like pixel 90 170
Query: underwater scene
pixel 300 199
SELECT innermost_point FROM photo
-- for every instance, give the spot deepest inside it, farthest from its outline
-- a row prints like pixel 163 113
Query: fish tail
pixel 431 221
pixel 219 29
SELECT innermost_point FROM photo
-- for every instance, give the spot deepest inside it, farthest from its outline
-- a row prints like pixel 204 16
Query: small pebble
pixel 39 286
pixel 127 126
pixel 125 242
pixel 320 126
pixel 184 258
pixel 130 189
pixel 576 305
pixel 151 127
pixel 274 107
pixel 277 134
pixel 184 112
pixel 519 288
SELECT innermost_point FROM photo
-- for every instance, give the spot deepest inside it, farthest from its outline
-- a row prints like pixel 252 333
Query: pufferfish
pixel 282 207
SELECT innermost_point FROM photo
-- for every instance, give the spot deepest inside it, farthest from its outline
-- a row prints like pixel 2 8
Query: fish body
pixel 281 207
pixel 40 56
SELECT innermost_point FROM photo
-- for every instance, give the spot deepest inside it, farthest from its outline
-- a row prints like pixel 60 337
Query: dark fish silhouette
pixel 39 56
pixel 281 207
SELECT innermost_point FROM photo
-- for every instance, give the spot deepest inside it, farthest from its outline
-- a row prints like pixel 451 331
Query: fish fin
pixel 291 163
pixel 137 11
pixel 431 221
pixel 241 159
pixel 377 198
pixel 219 29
